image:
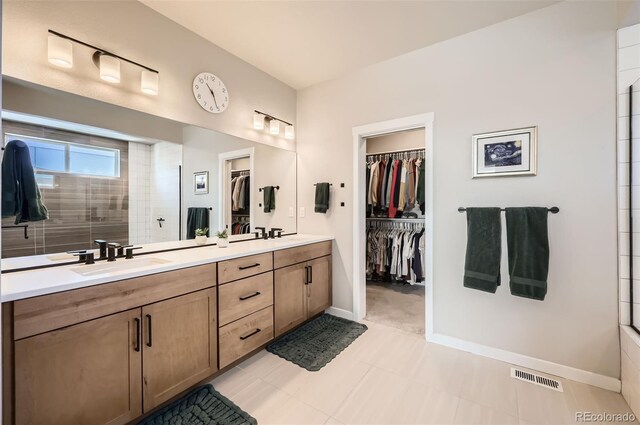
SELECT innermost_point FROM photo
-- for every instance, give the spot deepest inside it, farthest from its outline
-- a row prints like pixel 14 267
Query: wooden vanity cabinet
pixel 179 347
pixel 83 374
pixel 302 284
pixel 78 359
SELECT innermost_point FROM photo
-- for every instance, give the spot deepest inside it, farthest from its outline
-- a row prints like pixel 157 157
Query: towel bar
pixel 552 210
pixel 275 187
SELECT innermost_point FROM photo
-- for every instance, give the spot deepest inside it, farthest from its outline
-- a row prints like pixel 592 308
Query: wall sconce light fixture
pixel 274 124
pixel 60 53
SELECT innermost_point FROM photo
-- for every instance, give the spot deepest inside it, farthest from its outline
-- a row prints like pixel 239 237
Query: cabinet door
pixel 179 345
pixel 319 287
pixel 83 374
pixel 290 297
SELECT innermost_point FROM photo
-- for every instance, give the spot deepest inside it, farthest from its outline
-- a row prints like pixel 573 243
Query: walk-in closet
pixel 240 202
pixel 395 227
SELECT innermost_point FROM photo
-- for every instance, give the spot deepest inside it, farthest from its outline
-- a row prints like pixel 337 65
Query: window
pixel 65 157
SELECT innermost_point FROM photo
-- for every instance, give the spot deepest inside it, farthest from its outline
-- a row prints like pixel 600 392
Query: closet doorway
pixel 236 187
pixel 393 264
pixel 395 240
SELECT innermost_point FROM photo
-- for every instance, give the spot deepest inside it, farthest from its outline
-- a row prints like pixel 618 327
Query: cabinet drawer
pixel 244 267
pixel 243 297
pixel 299 254
pixel 245 335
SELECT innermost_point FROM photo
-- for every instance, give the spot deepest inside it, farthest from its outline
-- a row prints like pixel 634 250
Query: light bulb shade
pixel 60 51
pixel 274 127
pixel 109 69
pixel 149 82
pixel 258 121
pixel 289 132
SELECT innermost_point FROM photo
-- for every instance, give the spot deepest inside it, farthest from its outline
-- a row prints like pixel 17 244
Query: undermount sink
pixel 120 265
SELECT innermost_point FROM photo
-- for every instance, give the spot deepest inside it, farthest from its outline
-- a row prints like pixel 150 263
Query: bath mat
pixel 202 406
pixel 315 344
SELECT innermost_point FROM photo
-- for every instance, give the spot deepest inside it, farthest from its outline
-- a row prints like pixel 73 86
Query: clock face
pixel 210 93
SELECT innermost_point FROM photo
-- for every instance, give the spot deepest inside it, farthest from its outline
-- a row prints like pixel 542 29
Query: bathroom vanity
pixel 106 344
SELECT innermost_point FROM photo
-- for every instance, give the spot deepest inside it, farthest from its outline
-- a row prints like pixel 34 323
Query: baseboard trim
pixel 345 314
pixel 568 372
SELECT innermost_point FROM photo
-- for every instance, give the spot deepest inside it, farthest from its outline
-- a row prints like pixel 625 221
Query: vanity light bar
pixel 61 54
pixel 274 124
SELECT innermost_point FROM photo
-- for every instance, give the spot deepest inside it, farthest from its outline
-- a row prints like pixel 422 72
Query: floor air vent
pixel 543 381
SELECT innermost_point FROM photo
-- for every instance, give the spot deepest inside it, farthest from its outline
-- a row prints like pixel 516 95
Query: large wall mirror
pixel 110 173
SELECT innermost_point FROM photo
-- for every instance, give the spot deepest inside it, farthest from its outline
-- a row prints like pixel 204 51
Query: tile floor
pixel 389 376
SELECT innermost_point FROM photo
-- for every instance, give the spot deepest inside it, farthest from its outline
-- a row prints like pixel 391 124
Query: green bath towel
pixel 482 262
pixel 20 193
pixel 269 201
pixel 322 198
pixel 197 218
pixel 528 245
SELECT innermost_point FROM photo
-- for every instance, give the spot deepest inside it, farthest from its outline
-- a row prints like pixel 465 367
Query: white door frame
pixel 222 169
pixel 360 135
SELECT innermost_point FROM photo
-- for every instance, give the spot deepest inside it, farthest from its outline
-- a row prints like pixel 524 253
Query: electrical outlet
pixel 292 213
pixel 301 212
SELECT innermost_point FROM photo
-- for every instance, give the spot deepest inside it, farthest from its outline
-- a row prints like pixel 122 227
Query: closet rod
pixel 397 220
pixel 398 151
pixel 552 210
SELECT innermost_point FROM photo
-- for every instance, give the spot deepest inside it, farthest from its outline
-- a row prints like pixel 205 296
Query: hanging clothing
pixel 395 253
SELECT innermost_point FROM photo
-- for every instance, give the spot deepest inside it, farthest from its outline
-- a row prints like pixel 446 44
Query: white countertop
pixel 32 283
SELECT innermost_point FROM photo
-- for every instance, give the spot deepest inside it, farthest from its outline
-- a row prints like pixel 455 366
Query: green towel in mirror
pixel 528 246
pixel 482 261
pixel 269 201
pixel 197 218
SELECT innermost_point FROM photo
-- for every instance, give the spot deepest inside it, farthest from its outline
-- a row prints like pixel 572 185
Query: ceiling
pixel 303 43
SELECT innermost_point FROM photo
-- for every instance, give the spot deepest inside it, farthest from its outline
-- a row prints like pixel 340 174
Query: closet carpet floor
pixel 396 305
pixel 389 376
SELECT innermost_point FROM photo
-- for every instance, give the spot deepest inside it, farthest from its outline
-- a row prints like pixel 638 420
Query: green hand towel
pixel 269 201
pixel 322 198
pixel 197 218
pixel 528 245
pixel 20 193
pixel 482 262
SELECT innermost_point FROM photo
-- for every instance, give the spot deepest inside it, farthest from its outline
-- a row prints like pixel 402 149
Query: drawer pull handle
pixel 248 267
pixel 137 346
pixel 246 297
pixel 250 334
pixel 149 342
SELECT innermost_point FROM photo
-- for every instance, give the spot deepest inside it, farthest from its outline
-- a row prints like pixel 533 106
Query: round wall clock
pixel 210 93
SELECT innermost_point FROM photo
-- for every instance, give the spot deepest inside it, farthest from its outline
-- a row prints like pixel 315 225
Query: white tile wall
pixel 165 159
pixel 628 73
pixel 139 193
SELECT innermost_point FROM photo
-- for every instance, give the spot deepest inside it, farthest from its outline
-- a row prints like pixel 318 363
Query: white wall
pixel 554 68
pixel 135 31
pixel 272 167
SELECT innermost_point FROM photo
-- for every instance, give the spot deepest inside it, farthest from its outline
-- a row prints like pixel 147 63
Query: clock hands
pixel 214 96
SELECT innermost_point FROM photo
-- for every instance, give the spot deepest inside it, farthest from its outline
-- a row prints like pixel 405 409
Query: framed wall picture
pixel 201 182
pixel 505 153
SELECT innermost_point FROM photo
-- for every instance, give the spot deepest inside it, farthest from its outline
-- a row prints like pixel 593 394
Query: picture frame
pixel 505 153
pixel 201 182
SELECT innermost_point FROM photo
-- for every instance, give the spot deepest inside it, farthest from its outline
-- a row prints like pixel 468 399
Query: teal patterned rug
pixel 202 406
pixel 314 345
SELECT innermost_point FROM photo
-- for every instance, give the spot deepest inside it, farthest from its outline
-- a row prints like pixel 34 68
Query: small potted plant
pixel 201 236
pixel 223 239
